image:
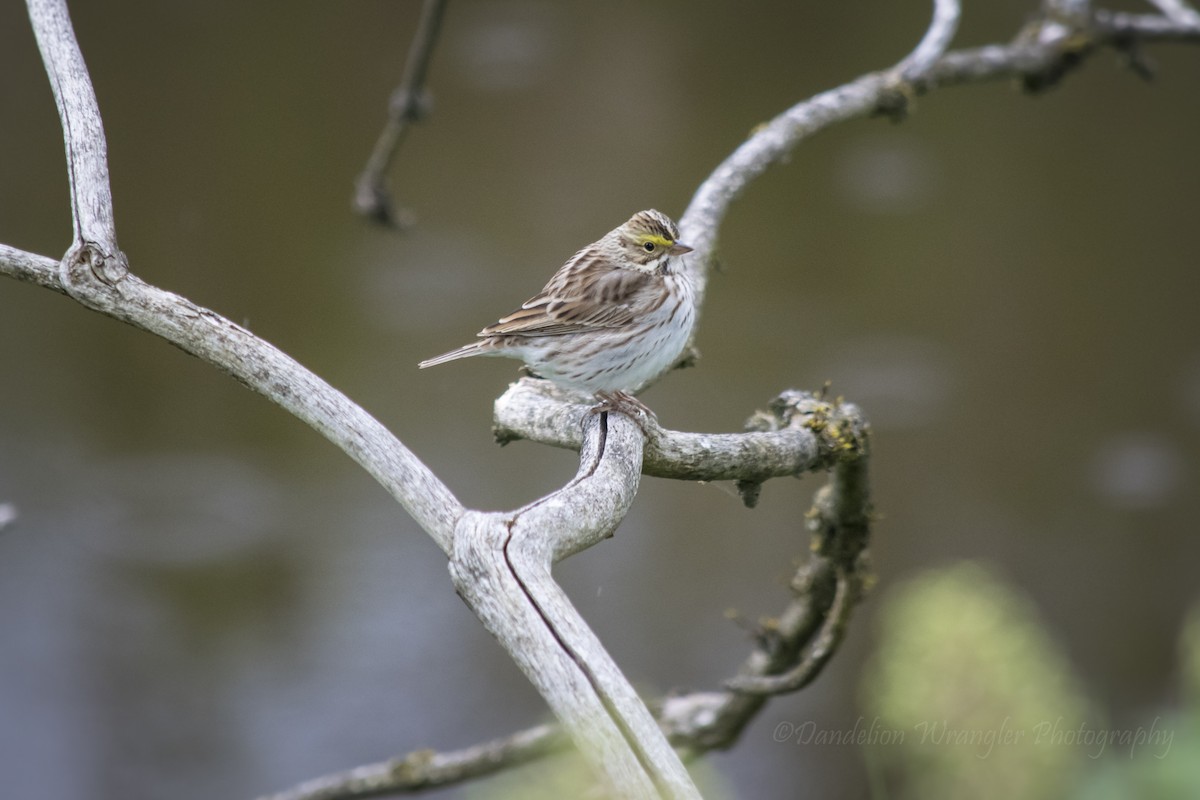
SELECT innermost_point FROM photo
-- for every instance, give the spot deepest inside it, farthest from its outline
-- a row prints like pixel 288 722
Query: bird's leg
pixel 627 404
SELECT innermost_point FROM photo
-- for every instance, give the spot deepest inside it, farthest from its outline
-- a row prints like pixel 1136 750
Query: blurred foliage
pixel 1161 763
pixel 966 670
pixel 987 705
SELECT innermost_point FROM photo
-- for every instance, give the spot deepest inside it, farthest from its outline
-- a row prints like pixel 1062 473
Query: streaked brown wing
pixel 580 297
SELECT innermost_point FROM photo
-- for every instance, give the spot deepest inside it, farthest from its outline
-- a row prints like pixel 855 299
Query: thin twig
pixel 409 104
pixel 1178 11
pixel 936 41
pixel 1039 62
pixel 83 130
pixel 773 140
pixel 1117 27
pixel 424 769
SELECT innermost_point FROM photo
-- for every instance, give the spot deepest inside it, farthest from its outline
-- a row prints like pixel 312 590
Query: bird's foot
pixel 627 404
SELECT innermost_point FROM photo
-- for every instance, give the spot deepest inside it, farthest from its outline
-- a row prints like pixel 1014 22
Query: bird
pixel 614 317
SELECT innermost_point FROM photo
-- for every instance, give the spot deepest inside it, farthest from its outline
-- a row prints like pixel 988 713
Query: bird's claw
pixel 627 404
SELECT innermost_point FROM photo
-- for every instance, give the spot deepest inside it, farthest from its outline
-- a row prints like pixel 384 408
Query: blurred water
pixel 199 597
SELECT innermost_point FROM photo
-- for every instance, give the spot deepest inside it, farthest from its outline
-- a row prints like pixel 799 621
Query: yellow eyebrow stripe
pixel 654 237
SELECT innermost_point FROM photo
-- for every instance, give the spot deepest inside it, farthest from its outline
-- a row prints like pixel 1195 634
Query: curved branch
pixel 1040 55
pixel 264 368
pixel 775 139
pixel 94 272
pixel 425 769
pixel 536 410
pixel 937 39
pixel 83 130
pixel 501 568
pixel 1178 11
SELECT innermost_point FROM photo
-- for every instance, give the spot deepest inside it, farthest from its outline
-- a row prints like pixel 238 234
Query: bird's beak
pixel 678 249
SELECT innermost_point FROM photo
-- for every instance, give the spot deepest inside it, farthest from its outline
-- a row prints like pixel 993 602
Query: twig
pixel 773 140
pixel 792 656
pixel 424 769
pixel 1039 61
pixel 946 14
pixel 409 104
pixel 83 131
pixel 1116 27
pixel 30 268
pixel 1178 11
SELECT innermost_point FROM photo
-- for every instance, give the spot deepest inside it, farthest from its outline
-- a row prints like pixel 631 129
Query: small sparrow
pixel 613 318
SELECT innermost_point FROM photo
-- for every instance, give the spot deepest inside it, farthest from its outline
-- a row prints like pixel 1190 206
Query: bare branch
pixel 501 568
pixel 1115 27
pixel 937 39
pixel 795 647
pixel 83 130
pixel 263 368
pixel 30 268
pixel 425 769
pixel 1178 11
pixel 1040 60
pixel 500 563
pixel 538 411
pixel 775 139
pixel 94 272
pixel 840 520
pixel 409 104
pixel 789 653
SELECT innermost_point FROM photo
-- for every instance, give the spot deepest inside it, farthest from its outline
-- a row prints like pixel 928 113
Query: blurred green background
pixel 201 598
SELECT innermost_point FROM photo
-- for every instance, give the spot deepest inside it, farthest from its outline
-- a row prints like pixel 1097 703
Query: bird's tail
pixel 472 349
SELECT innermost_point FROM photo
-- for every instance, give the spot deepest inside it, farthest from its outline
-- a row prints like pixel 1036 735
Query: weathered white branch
pixel 425 769
pixel 94 273
pixel 537 411
pixel 1178 11
pixel 262 367
pixel 936 41
pixel 501 568
pixel 31 268
pixel 775 139
pixel 83 131
pixel 1039 61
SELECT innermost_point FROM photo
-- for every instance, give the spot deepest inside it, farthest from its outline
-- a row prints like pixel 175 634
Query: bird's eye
pixel 648 247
